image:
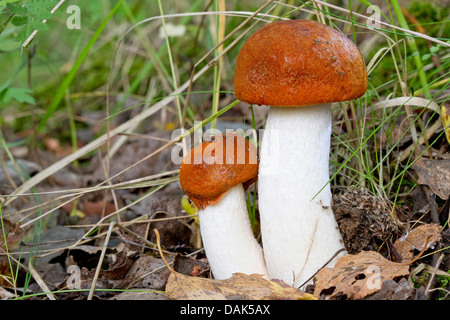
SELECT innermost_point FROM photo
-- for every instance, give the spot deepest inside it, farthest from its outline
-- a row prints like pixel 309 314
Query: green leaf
pixel 426 56
pixel 3 2
pixel 39 12
pixel 30 16
pixel 19 21
pixel 17 9
pixel 18 94
pixel 434 49
pixel 23 34
pixel 38 25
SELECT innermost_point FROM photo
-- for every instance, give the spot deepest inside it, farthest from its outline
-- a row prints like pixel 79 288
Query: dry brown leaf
pixel 435 174
pixel 5 294
pixel 13 234
pixel 427 234
pixel 240 286
pixel 358 276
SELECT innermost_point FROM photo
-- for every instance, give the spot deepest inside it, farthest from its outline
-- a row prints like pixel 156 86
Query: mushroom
pixel 298 68
pixel 215 175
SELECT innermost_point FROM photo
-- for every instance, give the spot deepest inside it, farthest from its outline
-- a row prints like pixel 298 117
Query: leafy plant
pixel 9 93
pixel 443 283
pixel 29 16
pixel 18 94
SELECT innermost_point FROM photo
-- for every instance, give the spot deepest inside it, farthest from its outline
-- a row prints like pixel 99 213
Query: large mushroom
pixel 214 175
pixel 298 68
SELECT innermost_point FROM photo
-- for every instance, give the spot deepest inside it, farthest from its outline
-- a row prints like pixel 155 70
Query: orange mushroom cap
pixel 299 63
pixel 210 169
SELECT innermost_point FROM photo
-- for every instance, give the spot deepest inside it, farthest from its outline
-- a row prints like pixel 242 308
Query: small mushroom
pixel 298 68
pixel 215 175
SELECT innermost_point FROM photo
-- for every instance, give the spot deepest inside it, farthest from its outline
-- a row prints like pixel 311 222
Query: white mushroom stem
pixel 229 243
pixel 298 227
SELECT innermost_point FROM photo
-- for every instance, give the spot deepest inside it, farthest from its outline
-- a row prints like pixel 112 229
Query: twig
pixel 428 133
pixel 137 236
pixel 431 198
pixel 40 282
pixel 436 267
pixel 44 21
pixel 425 247
pixel 160 268
pixel 326 263
pixel 100 261
pixel 131 222
pixel 158 242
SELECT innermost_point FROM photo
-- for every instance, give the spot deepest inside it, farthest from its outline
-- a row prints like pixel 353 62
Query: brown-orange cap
pixel 210 169
pixel 299 63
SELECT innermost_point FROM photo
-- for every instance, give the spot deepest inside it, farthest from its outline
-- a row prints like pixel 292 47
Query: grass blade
pixel 71 75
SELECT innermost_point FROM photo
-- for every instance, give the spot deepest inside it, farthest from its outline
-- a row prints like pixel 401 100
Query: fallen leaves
pixel 435 174
pixel 238 287
pixel 358 276
pixel 420 238
pixel 366 275
pixel 12 231
pixel 362 275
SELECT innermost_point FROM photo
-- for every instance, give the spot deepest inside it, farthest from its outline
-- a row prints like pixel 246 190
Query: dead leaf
pixel 240 286
pixel 435 174
pixel 13 234
pixel 174 233
pixel 85 282
pixel 98 208
pixel 5 273
pixel 147 272
pixel 5 294
pixel 131 295
pixel 54 145
pixel 190 266
pixel 391 290
pixel 119 266
pixel 14 172
pixel 358 276
pixel 427 234
pixel 127 155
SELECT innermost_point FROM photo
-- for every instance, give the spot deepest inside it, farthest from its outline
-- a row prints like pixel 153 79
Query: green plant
pixel 28 16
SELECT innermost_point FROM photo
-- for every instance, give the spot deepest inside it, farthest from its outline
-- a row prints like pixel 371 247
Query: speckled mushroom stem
pixel 298 228
pixel 228 238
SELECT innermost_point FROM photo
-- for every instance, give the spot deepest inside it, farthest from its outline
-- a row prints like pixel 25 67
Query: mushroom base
pixel 298 227
pixel 228 239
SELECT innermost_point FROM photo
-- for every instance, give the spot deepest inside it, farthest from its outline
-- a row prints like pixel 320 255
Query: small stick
pixel 160 250
pixel 100 261
pixel 326 263
pixel 427 290
pixel 421 252
pixel 40 282
pixel 35 276
pixel 137 236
